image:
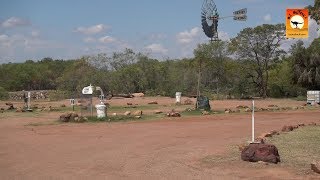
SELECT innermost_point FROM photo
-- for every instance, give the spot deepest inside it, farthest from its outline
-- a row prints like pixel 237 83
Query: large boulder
pixel 260 152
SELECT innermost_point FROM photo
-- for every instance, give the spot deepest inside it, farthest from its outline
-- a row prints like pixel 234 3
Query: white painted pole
pixel 29 98
pixel 252 140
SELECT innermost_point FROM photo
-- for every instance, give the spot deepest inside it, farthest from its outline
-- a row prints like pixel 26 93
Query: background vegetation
pixel 251 64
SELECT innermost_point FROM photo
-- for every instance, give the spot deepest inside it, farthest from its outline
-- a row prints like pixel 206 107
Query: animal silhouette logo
pixel 297 23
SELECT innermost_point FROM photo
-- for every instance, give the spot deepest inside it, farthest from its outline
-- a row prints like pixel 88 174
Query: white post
pixel 252 140
pixel 29 97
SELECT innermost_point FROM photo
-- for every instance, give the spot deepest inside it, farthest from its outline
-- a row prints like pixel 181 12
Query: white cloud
pixel 187 37
pixel 4 38
pixel 267 18
pixel 35 33
pixel 92 29
pixel 107 39
pixel 14 22
pixel 89 40
pixel 157 48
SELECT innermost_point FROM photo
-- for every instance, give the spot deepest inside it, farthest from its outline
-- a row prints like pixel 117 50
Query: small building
pixel 313 97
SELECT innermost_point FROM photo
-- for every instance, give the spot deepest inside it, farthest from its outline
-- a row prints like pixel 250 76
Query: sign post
pixel 240 15
pixel 252 123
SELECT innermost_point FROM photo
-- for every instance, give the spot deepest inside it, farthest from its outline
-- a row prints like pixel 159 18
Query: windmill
pixel 209 21
pixel 210 18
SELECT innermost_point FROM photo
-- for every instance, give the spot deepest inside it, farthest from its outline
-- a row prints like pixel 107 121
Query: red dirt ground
pixel 161 149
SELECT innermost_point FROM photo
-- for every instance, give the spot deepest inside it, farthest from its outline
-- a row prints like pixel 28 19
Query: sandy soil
pixel 162 149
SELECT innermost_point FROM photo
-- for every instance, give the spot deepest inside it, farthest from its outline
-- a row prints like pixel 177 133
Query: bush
pixel 59 95
pixel 4 95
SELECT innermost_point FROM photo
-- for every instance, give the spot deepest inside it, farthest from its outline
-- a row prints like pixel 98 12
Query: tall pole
pixel 252 140
pixel 199 80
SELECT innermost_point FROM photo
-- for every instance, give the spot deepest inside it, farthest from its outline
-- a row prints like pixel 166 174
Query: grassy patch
pixel 300 98
pixel 123 118
pixel 299 148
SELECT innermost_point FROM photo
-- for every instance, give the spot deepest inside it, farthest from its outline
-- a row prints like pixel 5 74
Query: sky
pixel 60 29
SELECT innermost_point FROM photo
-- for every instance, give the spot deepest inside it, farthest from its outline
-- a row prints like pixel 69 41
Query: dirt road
pixel 162 149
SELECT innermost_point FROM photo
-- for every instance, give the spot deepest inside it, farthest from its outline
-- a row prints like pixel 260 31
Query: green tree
pixel 307 64
pixel 261 47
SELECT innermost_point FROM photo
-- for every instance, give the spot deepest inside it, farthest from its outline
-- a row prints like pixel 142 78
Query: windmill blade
pixel 209 13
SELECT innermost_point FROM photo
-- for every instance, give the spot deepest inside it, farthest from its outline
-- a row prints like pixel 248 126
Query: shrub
pixel 3 94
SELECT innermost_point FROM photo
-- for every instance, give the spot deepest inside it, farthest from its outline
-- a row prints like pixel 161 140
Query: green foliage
pixel 306 62
pixel 260 46
pixel 3 94
pixel 228 69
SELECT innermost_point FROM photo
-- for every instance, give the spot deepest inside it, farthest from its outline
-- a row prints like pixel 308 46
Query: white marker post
pixel 252 140
pixel 29 98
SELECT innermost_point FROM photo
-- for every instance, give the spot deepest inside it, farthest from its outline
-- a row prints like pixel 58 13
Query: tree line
pixel 251 64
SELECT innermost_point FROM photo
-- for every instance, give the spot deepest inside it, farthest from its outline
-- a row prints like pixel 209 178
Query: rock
pixel 76 119
pixel 287 128
pixel 138 94
pixel 247 110
pixel 242 147
pixel 153 102
pixel 260 152
pixel 188 102
pixel 10 106
pixel 312 124
pixel 69 117
pixel 65 117
pixel 241 107
pixel 205 113
pixel 272 105
pixel 295 108
pixel 260 140
pixel 315 167
pixel 227 112
pixel 237 111
pixel 62 105
pixel 266 135
pixel 189 109
pixel 114 114
pixel 137 117
pixel 20 110
pixel 137 113
pixel 158 112
pixel 274 132
pixel 173 114
pixel 127 113
pixel 301 124
pixel 129 104
pixel 73 115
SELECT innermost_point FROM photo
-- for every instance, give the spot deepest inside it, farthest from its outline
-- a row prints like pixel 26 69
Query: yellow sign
pixel 297 23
